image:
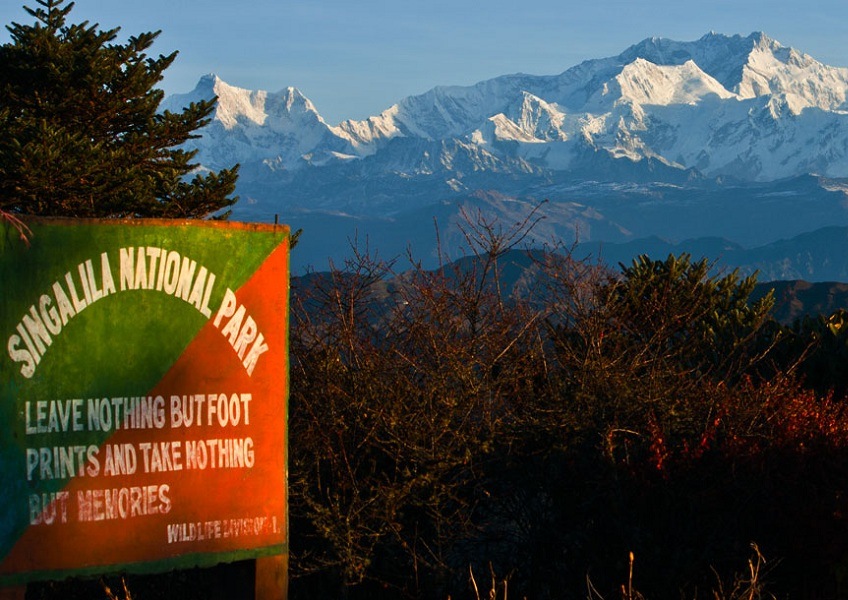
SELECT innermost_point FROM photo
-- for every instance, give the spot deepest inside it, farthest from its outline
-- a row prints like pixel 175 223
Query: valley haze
pixel 732 145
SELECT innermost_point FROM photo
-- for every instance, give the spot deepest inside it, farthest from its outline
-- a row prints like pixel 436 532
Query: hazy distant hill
pixel 815 256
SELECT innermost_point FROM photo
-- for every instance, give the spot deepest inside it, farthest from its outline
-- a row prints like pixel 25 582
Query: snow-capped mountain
pixel 748 107
pixel 281 129
pixel 745 110
pixel 722 105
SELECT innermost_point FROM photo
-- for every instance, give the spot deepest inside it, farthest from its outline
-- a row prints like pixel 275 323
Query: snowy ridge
pixel 744 107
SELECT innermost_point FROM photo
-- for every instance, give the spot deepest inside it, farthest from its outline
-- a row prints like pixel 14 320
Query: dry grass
pixel 749 585
pixel 495 586
pixel 110 595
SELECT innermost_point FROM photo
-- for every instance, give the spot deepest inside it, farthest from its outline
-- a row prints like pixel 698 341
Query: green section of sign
pixel 82 317
pixel 188 561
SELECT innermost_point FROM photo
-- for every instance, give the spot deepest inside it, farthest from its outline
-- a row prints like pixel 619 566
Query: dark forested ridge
pixel 797 299
pixel 532 420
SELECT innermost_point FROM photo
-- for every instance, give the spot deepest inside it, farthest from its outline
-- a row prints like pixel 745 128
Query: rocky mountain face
pixel 726 136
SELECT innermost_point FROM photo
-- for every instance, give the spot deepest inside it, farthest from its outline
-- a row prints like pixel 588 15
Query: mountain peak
pixel 784 73
pixel 644 82
pixel 208 81
pixel 254 106
pixel 761 40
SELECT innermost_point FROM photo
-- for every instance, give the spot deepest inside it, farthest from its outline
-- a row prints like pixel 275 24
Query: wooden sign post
pixel 143 398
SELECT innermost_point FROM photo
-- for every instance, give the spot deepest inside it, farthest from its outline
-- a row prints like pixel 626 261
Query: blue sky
pixel 355 58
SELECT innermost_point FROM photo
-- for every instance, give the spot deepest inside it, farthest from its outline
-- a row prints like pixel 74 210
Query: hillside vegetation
pixel 466 427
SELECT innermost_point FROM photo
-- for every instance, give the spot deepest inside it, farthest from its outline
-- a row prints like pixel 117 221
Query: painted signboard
pixel 142 397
